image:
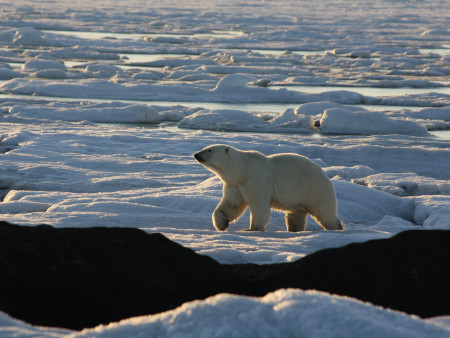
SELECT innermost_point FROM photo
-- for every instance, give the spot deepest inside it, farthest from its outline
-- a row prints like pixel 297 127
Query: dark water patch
pixel 368 91
pixel 438 51
pixel 222 34
pixel 271 107
pixel 441 134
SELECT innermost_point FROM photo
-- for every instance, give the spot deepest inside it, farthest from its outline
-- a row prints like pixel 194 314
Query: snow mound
pixel 11 327
pixel 222 119
pixel 346 173
pixel 146 75
pixel 92 112
pixel 233 82
pixel 20 207
pixel 101 70
pixel 318 108
pixel 50 74
pixel 46 69
pixel 290 118
pixel 240 121
pixel 432 113
pixel 283 313
pixel 359 204
pixel 433 211
pixel 26 36
pixel 8 74
pixel 343 121
pixel 405 184
pixel 39 64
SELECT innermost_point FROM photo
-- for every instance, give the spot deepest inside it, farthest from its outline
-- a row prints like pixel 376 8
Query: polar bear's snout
pixel 199 158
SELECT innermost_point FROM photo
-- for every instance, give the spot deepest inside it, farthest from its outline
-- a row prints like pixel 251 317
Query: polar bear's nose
pixel 199 158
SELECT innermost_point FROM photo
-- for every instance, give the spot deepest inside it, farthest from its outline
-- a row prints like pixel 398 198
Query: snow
pixel 10 327
pixel 240 121
pixel 18 207
pixel 103 104
pixel 342 121
pixel 93 112
pixel 284 313
pixel 231 120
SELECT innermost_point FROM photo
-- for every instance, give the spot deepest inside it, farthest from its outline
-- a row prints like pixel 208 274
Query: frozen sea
pixel 104 103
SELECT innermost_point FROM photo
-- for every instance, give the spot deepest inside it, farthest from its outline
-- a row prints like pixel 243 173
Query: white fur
pixel 287 182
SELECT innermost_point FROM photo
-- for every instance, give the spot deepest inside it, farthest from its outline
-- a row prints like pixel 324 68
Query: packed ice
pixel 103 104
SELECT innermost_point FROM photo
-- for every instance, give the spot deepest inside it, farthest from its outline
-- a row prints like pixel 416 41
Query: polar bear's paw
pixel 250 229
pixel 220 221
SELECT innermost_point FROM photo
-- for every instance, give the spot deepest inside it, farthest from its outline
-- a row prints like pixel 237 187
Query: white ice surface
pixel 88 155
pixel 284 313
pixel 343 121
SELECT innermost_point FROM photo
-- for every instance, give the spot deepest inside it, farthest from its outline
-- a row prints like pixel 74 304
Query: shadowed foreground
pixel 77 278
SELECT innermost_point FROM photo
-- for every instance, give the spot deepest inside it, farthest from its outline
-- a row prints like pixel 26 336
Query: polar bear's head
pixel 213 156
pixel 217 158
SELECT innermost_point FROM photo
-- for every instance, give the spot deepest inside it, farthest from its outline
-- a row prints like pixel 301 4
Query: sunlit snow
pixel 103 104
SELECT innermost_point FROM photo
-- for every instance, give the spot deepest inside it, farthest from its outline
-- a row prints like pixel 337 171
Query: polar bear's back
pixel 290 163
pixel 298 179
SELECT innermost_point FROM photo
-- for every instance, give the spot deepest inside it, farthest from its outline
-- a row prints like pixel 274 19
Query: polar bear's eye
pixel 209 150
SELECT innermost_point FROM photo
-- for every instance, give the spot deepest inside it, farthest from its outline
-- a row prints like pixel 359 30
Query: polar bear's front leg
pixel 230 208
pixel 259 215
pixel 220 219
pixel 258 195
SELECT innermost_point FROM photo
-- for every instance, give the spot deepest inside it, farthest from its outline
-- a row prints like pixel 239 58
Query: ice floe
pixel 101 109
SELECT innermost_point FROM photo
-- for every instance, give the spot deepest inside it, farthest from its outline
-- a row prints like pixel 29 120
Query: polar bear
pixel 287 182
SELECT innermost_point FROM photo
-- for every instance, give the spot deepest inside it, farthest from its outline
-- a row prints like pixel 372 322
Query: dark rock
pixel 409 272
pixel 77 278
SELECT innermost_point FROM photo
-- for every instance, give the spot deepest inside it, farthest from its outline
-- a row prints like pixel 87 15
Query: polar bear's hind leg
pixel 329 223
pixel 259 216
pixel 296 220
